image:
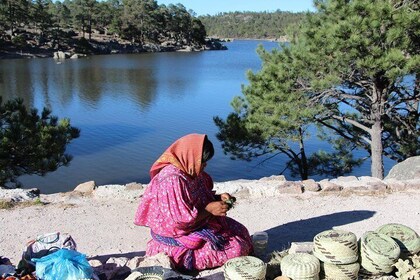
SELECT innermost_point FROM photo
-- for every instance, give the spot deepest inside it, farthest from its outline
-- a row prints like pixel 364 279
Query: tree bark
pixel 377 168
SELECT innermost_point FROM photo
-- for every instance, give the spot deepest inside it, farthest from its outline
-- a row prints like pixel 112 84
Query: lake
pixel 131 107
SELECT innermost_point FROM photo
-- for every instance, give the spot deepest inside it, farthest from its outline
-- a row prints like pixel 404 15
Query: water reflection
pixel 16 81
pixel 46 83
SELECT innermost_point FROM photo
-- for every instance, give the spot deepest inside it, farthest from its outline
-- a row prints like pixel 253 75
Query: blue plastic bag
pixel 63 264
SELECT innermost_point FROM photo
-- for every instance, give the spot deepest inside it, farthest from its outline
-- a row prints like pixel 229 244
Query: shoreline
pixel 212 43
pixel 100 46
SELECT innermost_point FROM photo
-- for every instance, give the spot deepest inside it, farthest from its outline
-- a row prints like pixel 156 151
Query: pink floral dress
pixel 169 207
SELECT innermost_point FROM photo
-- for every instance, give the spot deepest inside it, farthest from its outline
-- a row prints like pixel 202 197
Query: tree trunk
pixel 303 167
pixel 377 111
pixel 377 167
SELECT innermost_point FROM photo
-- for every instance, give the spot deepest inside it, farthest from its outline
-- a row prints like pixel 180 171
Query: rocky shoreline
pixel 100 46
pixel 265 187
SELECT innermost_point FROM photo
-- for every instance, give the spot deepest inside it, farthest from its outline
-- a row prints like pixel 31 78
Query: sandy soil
pixel 104 227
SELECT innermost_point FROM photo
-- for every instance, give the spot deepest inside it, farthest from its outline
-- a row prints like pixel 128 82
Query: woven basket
pixel 244 268
pixel 340 271
pixel 336 247
pixel 300 266
pixel 378 252
pixel 407 238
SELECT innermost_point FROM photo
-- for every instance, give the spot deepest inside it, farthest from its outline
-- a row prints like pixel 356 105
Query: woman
pixel 187 220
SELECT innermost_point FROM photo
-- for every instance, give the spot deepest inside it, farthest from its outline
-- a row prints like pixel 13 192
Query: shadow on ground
pixel 280 237
pixel 129 255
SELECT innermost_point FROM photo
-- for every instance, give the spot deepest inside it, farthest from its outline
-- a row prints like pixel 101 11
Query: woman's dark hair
pixel 208 150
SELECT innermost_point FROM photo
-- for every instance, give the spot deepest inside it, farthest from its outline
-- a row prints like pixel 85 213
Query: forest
pixel 255 25
pixel 90 26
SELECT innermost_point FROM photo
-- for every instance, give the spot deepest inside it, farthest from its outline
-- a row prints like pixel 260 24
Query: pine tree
pixel 351 68
pixel 31 143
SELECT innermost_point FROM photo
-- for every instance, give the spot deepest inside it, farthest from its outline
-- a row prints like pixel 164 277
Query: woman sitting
pixel 187 220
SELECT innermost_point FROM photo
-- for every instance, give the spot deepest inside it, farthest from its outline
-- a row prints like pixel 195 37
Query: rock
pixel 405 170
pixel 60 55
pixel 18 195
pixel 134 263
pixel 74 56
pixel 327 186
pixel 86 187
pixel 395 185
pixel 376 186
pixel 113 267
pixel 160 259
pixel 95 263
pixel 343 179
pixel 311 185
pixel 279 178
pixel 231 187
pixel 413 184
pixel 264 190
pixel 291 187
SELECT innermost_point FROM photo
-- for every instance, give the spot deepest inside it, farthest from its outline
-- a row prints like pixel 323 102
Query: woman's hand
pixel 217 208
pixel 225 196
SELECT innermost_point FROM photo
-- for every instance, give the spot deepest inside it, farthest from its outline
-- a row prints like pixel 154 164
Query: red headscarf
pixel 185 153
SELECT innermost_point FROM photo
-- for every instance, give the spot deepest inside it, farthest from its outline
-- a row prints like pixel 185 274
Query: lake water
pixel 130 108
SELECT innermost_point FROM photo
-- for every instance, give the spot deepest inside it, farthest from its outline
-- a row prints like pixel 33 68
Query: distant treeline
pixel 138 21
pixel 258 25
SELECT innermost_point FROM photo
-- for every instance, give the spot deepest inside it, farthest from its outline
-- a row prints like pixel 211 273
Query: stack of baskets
pixel 244 268
pixel 338 252
pixel 300 266
pixel 378 253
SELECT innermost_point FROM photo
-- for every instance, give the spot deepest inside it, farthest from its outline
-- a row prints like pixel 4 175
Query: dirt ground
pixel 104 227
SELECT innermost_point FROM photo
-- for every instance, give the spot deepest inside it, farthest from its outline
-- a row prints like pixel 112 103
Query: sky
pixel 213 7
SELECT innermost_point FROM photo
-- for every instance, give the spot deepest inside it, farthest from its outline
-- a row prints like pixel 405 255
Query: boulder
pixel 86 187
pixel 311 185
pixel 291 187
pixel 60 55
pixel 406 170
pixel 327 186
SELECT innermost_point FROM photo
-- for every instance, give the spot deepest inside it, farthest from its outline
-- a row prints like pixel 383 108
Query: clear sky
pixel 212 7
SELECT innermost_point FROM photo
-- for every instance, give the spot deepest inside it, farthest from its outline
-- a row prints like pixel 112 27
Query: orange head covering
pixel 185 153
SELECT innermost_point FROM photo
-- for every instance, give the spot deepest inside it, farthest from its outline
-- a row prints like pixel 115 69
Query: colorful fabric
pixel 185 154
pixel 170 206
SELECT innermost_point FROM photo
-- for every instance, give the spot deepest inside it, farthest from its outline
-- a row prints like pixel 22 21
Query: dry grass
pixel 7 204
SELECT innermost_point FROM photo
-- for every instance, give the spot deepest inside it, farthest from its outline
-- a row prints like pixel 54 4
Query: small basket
pixel 245 268
pixel 300 266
